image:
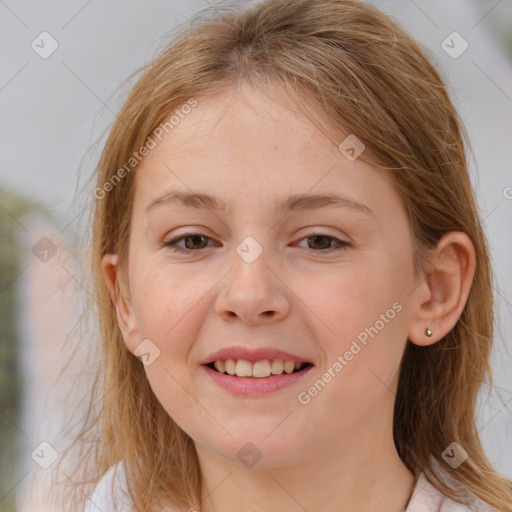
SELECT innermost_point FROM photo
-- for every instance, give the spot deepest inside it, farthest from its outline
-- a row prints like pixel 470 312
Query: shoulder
pixel 426 498
pixel 111 492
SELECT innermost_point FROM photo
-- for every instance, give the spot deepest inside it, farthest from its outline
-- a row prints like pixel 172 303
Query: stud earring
pixel 428 332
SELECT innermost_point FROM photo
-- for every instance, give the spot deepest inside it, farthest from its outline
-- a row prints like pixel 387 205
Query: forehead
pixel 250 145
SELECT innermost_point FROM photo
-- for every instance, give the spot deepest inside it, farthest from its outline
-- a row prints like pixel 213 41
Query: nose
pixel 253 292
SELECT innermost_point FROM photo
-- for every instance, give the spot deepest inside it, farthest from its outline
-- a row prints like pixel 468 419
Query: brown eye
pixel 322 243
pixel 193 242
pixel 196 242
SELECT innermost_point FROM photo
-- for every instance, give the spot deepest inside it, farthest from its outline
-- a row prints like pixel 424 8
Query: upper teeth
pixel 264 368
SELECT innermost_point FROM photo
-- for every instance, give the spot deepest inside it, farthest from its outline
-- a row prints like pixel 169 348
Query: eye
pixel 191 241
pixel 323 242
pixel 196 241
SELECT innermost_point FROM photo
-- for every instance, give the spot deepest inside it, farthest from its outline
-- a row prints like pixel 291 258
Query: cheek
pixel 174 391
pixel 346 302
pixel 168 303
pixel 170 308
pixel 363 323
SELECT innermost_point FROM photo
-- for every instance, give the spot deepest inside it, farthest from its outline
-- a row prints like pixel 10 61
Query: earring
pixel 428 332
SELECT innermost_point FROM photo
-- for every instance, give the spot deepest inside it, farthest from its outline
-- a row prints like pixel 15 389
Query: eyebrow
pixel 297 202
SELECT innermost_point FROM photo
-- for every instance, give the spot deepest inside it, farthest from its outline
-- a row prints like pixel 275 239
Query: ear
pixel 445 289
pixel 121 300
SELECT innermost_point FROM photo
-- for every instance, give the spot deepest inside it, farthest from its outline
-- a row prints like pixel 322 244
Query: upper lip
pixel 252 355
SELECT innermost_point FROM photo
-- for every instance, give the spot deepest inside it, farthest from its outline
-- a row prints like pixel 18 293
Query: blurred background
pixel 61 66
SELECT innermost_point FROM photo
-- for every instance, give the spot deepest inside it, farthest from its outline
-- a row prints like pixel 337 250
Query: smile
pixel 258 369
pixel 243 378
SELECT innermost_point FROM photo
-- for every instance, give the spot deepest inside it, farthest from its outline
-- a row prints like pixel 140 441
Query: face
pixel 328 282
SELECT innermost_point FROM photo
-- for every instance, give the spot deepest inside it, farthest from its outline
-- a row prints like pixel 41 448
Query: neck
pixel 351 475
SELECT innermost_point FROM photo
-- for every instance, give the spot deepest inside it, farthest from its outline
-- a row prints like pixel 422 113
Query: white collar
pixel 426 498
pixel 111 491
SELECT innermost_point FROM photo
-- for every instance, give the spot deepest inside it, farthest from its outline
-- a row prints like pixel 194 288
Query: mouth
pixel 256 379
pixel 258 370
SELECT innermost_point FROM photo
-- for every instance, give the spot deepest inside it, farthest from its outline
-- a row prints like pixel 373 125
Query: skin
pixel 335 452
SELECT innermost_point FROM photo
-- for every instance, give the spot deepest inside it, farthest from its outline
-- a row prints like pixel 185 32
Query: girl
pixel 245 364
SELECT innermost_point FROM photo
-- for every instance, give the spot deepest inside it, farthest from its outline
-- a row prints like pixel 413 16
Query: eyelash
pixel 171 244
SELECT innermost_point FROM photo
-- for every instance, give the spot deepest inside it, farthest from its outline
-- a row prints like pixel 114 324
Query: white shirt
pixel 111 495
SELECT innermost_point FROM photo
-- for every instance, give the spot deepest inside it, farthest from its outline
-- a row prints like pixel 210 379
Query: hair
pixel 352 69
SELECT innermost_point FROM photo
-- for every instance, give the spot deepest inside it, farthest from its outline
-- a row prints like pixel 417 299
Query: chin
pixel 257 449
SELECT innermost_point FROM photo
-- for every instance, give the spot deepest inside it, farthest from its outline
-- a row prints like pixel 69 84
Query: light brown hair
pixel 353 70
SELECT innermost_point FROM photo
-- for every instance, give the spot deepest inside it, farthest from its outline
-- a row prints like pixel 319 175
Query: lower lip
pixel 251 386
